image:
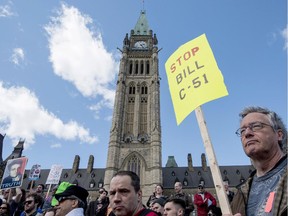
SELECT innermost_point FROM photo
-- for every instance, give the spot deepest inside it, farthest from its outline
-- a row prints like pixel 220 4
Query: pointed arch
pixel 130 108
pixel 136 163
pixel 143 109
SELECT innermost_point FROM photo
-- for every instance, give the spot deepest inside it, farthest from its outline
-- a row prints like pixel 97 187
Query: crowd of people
pixel 264 140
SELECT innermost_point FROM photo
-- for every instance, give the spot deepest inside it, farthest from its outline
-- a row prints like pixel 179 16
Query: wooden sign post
pixel 216 175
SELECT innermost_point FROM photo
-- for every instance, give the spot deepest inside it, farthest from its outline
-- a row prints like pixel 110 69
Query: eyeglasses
pixel 28 202
pixel 3 207
pixel 254 126
pixel 101 191
pixel 200 187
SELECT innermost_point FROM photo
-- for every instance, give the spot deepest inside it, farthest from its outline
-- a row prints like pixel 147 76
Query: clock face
pixel 140 44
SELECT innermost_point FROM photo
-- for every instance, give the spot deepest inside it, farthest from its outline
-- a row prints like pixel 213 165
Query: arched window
pixel 144 90
pixel 130 109
pixel 131 89
pixel 147 67
pixel 141 67
pixel 134 164
pixel 137 67
pixel 143 109
pixel 131 68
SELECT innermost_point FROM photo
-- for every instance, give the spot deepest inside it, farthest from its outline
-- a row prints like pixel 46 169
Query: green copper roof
pixel 171 162
pixel 142 27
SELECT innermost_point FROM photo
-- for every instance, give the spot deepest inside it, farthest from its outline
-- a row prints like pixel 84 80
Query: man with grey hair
pixel 263 136
pixel 179 193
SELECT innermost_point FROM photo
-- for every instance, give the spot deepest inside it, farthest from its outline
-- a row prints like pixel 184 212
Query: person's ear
pixel 180 212
pixel 75 203
pixel 280 134
pixel 139 196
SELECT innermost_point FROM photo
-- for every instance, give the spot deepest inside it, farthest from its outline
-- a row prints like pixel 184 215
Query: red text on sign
pixel 186 56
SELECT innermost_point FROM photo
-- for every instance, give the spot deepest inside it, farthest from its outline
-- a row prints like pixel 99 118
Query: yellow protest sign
pixel 194 77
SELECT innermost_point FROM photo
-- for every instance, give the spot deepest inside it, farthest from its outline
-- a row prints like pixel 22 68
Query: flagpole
pixel 216 174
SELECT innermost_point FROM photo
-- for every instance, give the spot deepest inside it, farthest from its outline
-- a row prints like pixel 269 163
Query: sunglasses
pixel 200 187
pixel 3 207
pixel 28 202
pixel 101 191
pixel 62 199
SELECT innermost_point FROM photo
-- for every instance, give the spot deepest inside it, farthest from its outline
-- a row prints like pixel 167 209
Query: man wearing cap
pixel 179 193
pixel 203 200
pixel 72 201
pixel 158 205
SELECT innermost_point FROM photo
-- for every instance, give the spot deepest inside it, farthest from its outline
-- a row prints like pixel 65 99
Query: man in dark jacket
pixel 99 206
pixel 180 194
pixel 125 195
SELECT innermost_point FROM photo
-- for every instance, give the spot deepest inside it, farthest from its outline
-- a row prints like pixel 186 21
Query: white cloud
pixel 109 118
pixel 56 145
pixel 17 56
pixel 5 11
pixel 96 108
pixel 284 34
pixel 21 116
pixel 79 56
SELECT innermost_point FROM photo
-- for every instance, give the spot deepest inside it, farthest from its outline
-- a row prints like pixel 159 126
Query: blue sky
pixel 59 64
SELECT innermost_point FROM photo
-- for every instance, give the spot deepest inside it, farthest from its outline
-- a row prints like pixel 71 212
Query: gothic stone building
pixel 135 135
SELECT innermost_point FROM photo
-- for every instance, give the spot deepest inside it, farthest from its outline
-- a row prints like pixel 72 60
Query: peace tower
pixel 135 135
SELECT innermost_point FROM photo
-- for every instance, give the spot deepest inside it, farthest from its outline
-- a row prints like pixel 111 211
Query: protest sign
pixel 194 77
pixel 54 174
pixel 14 172
pixel 34 173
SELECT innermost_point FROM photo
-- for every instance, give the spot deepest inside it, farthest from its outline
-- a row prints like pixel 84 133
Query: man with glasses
pixel 31 205
pixel 204 201
pixel 72 201
pixel 264 140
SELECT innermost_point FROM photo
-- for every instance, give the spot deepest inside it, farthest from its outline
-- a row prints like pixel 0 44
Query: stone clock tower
pixel 135 136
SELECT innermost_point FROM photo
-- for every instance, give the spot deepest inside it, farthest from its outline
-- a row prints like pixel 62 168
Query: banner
pixel 54 174
pixel 194 77
pixel 14 172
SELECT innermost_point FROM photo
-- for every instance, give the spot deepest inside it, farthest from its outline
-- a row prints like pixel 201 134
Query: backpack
pixel 147 211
